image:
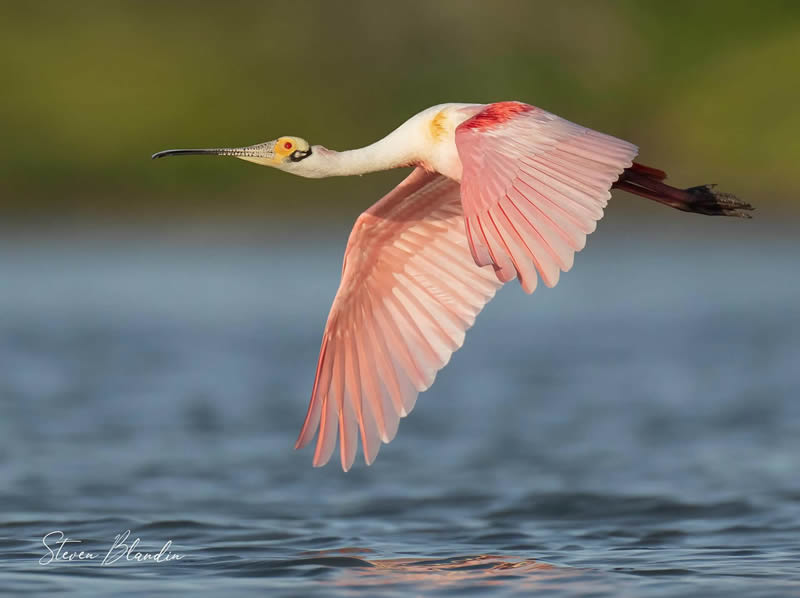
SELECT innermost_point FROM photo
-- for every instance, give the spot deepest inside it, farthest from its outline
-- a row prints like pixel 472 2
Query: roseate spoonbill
pixel 498 191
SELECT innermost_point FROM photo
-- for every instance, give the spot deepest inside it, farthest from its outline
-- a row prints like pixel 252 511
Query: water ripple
pixel 636 439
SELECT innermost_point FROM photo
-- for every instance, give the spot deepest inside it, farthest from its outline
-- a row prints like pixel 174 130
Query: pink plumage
pixel 409 292
pixel 500 191
pixel 533 186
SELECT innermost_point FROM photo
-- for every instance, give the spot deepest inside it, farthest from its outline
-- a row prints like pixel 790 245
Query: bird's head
pixel 284 153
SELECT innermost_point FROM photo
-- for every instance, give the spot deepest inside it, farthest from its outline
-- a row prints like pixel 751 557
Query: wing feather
pixel 351 413
pixel 371 391
pixel 533 186
pixel 409 292
pixel 350 416
pixel 326 441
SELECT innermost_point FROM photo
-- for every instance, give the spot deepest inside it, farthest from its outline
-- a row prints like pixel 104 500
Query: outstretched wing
pixel 409 292
pixel 533 186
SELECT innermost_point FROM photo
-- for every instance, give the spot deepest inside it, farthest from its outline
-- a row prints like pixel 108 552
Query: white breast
pixel 436 128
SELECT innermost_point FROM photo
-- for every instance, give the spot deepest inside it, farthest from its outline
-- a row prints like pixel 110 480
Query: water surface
pixel 633 432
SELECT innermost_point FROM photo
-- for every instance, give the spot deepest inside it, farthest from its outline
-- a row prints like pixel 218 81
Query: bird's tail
pixel 648 182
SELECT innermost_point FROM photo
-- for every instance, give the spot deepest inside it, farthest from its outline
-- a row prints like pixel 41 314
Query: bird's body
pixel 499 191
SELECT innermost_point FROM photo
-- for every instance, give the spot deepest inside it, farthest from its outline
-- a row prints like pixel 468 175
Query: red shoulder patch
pixel 496 114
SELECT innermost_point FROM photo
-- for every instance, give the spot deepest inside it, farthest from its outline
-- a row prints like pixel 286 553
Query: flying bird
pixel 498 191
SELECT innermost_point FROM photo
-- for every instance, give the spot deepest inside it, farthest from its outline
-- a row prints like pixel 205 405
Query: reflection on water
pixel 633 431
pixel 482 571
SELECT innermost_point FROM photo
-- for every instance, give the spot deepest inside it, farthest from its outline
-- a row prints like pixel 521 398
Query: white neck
pixel 372 158
pixel 399 148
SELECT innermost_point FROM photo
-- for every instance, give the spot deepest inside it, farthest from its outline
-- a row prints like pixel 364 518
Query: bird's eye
pixel 288 145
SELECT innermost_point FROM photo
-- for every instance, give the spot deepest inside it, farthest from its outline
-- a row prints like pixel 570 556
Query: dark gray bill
pixel 260 150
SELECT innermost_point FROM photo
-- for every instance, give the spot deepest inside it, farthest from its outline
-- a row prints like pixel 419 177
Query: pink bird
pixel 498 191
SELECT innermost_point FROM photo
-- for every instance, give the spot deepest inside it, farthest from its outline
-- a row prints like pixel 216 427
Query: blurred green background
pixel 708 90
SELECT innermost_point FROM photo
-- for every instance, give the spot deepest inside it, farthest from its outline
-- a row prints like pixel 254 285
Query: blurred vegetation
pixel 709 90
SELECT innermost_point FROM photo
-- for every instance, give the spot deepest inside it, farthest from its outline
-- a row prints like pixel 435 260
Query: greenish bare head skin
pixel 280 153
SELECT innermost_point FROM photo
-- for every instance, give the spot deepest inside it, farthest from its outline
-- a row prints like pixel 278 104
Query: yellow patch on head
pixel 437 127
pixel 284 147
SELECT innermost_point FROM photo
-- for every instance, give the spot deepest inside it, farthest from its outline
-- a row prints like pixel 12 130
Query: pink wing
pixel 533 186
pixel 409 292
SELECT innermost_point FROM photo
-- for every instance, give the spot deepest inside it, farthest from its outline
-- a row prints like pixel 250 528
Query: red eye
pixel 288 145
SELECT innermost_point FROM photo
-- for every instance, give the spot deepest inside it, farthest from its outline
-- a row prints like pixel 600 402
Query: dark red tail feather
pixel 649 171
pixel 647 182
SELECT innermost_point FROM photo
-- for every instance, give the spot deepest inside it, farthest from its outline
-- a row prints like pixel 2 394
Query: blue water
pixel 633 432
